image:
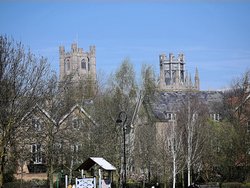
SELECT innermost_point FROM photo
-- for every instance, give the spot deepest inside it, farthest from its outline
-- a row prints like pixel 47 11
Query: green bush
pixel 246 185
pixel 133 185
pixel 26 184
pixel 213 183
pixel 232 185
pixel 9 177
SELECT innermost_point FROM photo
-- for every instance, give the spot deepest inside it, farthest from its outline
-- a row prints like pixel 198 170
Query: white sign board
pixel 85 183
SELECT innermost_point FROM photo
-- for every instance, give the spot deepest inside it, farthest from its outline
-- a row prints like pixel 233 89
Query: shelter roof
pixel 91 161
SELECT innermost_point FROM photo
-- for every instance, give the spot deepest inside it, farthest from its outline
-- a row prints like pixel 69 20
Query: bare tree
pixel 23 78
pixel 144 133
pixel 163 169
pixel 119 95
pixel 145 151
pixel 192 117
pixel 149 84
pixel 174 139
pixel 62 98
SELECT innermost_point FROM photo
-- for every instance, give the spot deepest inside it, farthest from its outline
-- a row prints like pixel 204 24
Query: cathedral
pixel 159 110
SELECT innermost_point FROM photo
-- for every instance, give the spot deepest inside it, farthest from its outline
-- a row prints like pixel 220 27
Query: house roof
pixel 72 110
pixel 169 102
pixel 40 110
pixel 62 119
pixel 96 160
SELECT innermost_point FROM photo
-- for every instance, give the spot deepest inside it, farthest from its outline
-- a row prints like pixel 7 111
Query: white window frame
pixel 36 123
pixel 194 116
pixel 36 151
pixel 171 116
pixel 215 117
pixel 74 148
pixel 248 127
pixel 77 123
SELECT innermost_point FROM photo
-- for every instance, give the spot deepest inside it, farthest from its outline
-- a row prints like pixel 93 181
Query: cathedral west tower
pixel 78 64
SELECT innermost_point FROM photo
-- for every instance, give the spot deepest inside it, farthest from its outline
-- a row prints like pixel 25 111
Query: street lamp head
pixel 122 117
pixel 118 120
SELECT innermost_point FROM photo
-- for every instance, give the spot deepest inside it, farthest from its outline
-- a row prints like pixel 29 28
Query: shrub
pixel 133 185
pixel 9 177
pixel 246 185
pixel 232 185
pixel 26 184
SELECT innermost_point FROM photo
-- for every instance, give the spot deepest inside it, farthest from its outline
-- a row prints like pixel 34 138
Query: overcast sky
pixel 215 37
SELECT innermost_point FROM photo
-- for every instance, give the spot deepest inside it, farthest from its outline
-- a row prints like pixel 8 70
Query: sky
pixel 214 36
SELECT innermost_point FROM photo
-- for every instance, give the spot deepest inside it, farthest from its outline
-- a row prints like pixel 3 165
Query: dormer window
pixel 215 117
pixel 170 116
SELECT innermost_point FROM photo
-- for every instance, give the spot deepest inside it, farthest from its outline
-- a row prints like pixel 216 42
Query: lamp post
pixel 122 118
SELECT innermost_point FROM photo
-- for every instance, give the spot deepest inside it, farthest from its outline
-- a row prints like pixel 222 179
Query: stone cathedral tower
pixel 78 64
pixel 173 75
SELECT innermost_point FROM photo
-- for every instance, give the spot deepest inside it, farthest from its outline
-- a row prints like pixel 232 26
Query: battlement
pixel 171 58
pixel 74 49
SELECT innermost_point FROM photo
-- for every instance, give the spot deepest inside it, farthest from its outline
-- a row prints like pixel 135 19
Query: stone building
pixel 38 129
pixel 78 64
pixel 173 75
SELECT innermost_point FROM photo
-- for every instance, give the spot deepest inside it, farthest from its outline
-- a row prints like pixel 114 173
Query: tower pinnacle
pixel 197 79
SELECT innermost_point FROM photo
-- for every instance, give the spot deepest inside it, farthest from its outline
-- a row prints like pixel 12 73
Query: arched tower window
pixel 83 64
pixel 67 64
pixel 88 64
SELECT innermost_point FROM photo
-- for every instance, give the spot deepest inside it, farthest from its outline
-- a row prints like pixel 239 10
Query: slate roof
pixel 163 102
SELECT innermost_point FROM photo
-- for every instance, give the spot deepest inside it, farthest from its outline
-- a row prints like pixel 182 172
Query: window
pixel 167 77
pixel 36 153
pixel 248 127
pixel 174 74
pixel 88 65
pixel 175 66
pixel 215 117
pixel 170 116
pixel 36 124
pixel 67 64
pixel 76 123
pixel 195 117
pixel 83 64
pixel 216 145
pixel 74 148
